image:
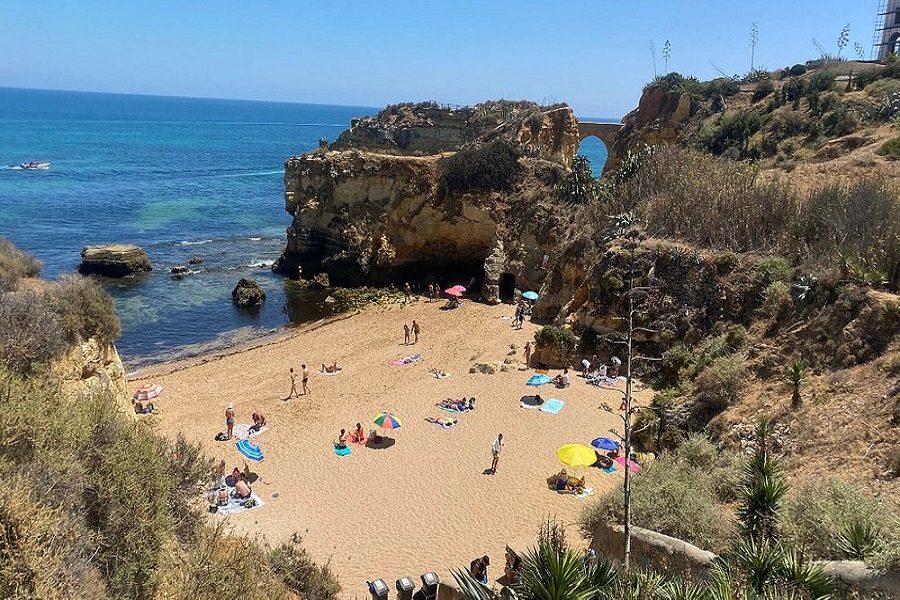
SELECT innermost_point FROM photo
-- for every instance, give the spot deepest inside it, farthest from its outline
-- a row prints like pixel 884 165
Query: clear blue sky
pixel 593 54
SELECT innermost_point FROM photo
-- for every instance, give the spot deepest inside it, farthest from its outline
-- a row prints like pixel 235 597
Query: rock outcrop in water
pixel 370 212
pixel 114 260
pixel 248 294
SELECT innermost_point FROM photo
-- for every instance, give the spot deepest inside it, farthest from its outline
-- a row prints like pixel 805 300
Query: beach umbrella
pixel 148 391
pixel 453 292
pixel 576 455
pixel 386 420
pixel 603 443
pixel 459 288
pixel 530 295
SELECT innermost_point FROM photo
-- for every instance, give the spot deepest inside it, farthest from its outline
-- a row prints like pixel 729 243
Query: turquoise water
pixel 179 177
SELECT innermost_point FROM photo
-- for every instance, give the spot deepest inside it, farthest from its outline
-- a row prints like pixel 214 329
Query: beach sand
pixel 424 503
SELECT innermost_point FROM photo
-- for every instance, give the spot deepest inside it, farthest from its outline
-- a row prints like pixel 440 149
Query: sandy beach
pixel 424 503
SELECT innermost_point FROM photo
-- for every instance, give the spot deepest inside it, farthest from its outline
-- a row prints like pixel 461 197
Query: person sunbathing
pixel 445 422
pixel 341 442
pixel 451 404
pixel 471 403
pixel 259 421
pixel 144 407
pixel 332 368
pixel 358 436
pixel 439 374
pixel 242 489
pixel 222 496
pixel 562 380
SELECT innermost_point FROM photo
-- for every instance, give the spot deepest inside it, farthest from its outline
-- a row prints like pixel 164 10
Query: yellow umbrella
pixel 576 455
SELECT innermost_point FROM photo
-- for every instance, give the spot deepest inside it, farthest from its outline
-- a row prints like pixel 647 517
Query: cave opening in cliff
pixel 507 287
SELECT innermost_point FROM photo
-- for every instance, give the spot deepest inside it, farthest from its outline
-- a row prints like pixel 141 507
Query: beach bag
pixel 221 437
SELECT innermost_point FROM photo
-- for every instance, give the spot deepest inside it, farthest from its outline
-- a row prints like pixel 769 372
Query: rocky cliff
pixel 376 207
pixel 89 368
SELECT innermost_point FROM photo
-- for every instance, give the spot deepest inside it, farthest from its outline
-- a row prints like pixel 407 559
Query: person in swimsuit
pixel 405 334
pixel 415 330
pixel 527 354
pixel 342 440
pixel 229 419
pixel 359 433
pixel 259 421
pixel 294 391
pixel 306 389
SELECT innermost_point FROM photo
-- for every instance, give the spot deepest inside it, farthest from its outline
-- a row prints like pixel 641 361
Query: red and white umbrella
pixel 148 391
pixel 456 290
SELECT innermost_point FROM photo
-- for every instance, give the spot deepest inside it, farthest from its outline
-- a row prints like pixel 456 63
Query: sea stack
pixel 114 260
pixel 247 293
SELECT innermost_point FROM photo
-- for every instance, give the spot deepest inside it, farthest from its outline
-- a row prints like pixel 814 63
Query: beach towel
pixel 236 505
pixel 249 450
pixel 585 493
pixel 345 451
pixel 605 381
pixel 632 466
pixel 455 411
pixel 242 431
pixel 539 379
pixel 407 360
pixel 552 406
pixel 609 470
pixel 338 372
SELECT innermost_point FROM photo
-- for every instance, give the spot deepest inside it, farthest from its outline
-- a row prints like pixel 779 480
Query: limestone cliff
pixel 89 368
pixel 372 209
pixel 658 119
pixel 377 218
pixel 428 128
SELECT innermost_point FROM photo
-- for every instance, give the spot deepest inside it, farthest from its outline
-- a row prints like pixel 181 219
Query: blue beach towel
pixel 609 470
pixel 539 379
pixel 552 406
pixel 453 410
pixel 345 451
pixel 249 450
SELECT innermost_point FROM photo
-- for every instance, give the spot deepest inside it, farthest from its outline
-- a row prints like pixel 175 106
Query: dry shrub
pixel 14 265
pixel 679 494
pixel 718 386
pixel 85 310
pixel 31 332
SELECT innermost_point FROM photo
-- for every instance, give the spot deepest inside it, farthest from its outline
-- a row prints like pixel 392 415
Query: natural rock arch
pixel 606 133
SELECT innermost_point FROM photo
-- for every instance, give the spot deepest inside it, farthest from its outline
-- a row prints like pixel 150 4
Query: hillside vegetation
pixel 93 503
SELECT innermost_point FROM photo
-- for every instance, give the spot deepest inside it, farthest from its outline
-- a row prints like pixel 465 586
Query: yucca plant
pixel 553 573
pixel 762 490
pixel 858 540
pixel 796 377
pixel 471 588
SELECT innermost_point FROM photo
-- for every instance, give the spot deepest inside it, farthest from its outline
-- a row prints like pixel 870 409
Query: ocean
pixel 179 177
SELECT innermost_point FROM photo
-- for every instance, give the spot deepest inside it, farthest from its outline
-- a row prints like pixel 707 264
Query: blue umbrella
pixel 603 443
pixel 539 379
pixel 530 295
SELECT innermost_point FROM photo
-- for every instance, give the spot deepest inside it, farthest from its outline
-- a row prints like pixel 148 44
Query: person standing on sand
pixel 496 448
pixel 294 391
pixel 407 293
pixel 229 419
pixel 306 389
pixel 405 334
pixel 527 354
pixel 415 330
pixel 430 292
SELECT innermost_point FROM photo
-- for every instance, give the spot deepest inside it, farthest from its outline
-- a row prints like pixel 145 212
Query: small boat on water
pixel 34 165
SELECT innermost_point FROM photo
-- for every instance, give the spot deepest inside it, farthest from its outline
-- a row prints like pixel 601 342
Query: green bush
pixel 14 265
pixel 733 131
pixel 771 269
pixel 719 386
pixel 85 310
pixel 797 70
pixel 821 81
pixel 890 149
pixel 722 86
pixel 31 333
pixel 776 299
pixel 489 167
pixel 679 494
pixel 676 82
pixel 763 89
pixel 579 185
pixel 839 122
pixel 837 520
pixel 293 564
pixel 560 339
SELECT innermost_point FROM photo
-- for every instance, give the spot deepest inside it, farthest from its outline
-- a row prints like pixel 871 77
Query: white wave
pixel 255 239
pixel 259 264
pixel 255 174
pixel 195 242
pixel 11 168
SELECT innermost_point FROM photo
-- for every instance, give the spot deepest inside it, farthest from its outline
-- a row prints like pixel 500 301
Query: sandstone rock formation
pixel 89 368
pixel 114 260
pixel 428 128
pixel 247 294
pixel 658 119
pixel 370 212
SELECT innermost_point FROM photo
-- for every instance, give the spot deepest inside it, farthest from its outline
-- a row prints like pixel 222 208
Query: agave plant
pixel 805 289
pixel 553 573
pixel 796 377
pixel 762 490
pixel 471 588
pixel 858 539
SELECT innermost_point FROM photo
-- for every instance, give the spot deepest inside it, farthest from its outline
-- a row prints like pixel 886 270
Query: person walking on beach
pixel 229 419
pixel 415 330
pixel 407 293
pixel 294 391
pixel 496 448
pixel 306 389
pixel 430 292
pixel 527 354
pixel 405 334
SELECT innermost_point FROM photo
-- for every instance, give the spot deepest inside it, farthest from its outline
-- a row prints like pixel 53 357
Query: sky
pixel 593 54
